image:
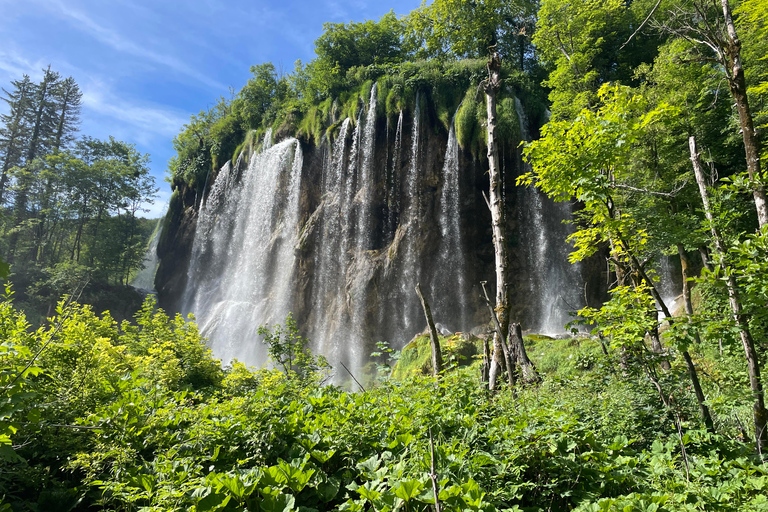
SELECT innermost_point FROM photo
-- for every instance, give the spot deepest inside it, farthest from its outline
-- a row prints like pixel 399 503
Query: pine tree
pixel 68 99
pixel 42 121
pixel 15 128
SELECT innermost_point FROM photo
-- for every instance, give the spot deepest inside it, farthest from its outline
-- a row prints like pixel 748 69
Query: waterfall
pixel 451 281
pixel 145 279
pixel 339 235
pixel 393 180
pixel 366 178
pixel 242 255
pixel 667 284
pixel 329 259
pixel 553 283
pixel 408 263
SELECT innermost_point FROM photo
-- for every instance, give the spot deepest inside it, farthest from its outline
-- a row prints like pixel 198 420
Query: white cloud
pixel 144 121
pixel 126 45
pixel 15 65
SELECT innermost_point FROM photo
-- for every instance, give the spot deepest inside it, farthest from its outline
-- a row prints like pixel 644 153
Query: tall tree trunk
pixel 738 86
pixel 491 87
pixel 734 300
pixel 639 271
pixel 685 267
pixel 437 356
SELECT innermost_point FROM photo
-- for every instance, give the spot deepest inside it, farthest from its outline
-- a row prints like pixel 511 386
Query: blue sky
pixel 144 66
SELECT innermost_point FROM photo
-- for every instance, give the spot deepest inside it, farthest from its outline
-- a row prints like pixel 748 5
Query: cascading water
pixel 330 259
pixel 451 253
pixel 553 281
pixel 366 179
pixel 393 179
pixel 145 279
pixel 340 235
pixel 242 256
pixel 408 264
pixel 667 285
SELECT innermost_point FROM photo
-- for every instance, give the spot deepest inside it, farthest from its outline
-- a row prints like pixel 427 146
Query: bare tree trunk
pixel 491 86
pixel 753 364
pixel 685 266
pixel 738 86
pixel 517 347
pixel 507 361
pixel 486 361
pixel 437 356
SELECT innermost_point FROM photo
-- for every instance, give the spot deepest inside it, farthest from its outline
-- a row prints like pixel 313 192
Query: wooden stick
pixel 353 377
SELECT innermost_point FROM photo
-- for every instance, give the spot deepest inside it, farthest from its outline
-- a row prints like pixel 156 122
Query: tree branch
pixel 641 25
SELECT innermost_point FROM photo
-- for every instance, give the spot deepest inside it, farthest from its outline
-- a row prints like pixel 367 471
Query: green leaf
pixel 408 489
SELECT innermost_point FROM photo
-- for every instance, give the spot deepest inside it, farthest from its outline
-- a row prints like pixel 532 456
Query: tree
pixel 712 30
pixel 68 98
pixel 43 115
pixel 15 132
pixel 460 29
pixel 491 86
pixel 117 182
pixel 583 43
pixel 591 159
pixel 760 414
pixel 361 44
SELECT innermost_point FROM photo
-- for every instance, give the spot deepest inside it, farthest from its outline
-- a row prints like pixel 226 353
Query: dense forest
pixel 653 118
pixel 70 207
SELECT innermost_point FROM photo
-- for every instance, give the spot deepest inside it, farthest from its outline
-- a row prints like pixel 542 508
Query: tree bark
pixel 491 86
pixel 517 347
pixel 734 300
pixel 738 86
pixel 437 356
pixel 507 361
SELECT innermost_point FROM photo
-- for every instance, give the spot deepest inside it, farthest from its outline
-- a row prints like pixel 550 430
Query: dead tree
pixel 734 300
pixel 491 86
pixel 702 24
pixel 499 334
pixel 437 356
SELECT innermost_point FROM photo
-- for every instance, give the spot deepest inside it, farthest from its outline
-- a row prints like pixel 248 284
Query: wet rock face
pixel 384 206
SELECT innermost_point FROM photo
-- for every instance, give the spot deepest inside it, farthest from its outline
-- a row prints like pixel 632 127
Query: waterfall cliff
pixel 338 234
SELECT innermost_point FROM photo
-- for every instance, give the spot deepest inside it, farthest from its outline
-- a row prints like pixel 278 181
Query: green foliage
pixel 469 129
pixel 289 351
pixel 581 44
pixel 154 422
pixel 752 23
pixel 16 369
pixel 455 29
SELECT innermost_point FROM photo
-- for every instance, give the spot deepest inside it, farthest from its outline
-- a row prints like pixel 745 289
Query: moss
pixel 469 130
pixel 416 357
pixel 508 127
pixel 395 101
pixel 311 125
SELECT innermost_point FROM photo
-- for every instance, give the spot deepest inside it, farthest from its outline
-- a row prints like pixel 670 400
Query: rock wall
pixel 385 205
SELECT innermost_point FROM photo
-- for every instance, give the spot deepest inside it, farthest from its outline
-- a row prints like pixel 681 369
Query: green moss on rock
pixel 416 356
